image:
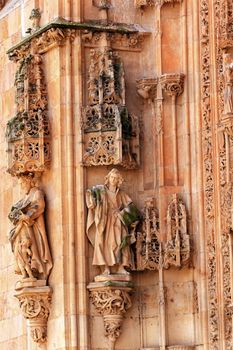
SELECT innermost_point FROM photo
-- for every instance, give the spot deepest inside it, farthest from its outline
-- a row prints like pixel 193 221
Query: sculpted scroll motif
pixel 111 214
pixel 111 134
pixel 28 238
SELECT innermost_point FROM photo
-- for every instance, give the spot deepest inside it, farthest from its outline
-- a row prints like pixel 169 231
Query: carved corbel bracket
pixel 35 306
pixel 172 84
pixel 147 88
pixel 112 302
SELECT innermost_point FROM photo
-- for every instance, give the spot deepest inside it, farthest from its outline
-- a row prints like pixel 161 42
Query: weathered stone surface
pixel 170 63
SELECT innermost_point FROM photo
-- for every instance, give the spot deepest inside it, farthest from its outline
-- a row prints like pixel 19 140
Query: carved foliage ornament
pixel 35 305
pixel 112 303
pixel 172 84
pixel 111 134
pixel 224 62
pixel 209 198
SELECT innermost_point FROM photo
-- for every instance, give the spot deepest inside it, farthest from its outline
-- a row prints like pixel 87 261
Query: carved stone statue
pixel 110 215
pixel 228 80
pixel 28 237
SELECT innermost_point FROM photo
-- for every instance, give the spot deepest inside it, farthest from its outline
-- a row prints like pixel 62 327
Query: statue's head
pixel 114 178
pixel 27 182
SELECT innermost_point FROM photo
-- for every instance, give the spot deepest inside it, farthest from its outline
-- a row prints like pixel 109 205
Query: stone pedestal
pixel 35 306
pixel 110 295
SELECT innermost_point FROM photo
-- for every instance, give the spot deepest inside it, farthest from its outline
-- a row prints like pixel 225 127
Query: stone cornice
pixel 63 24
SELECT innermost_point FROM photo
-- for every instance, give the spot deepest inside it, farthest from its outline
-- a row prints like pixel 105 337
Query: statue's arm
pixel 37 206
pixel 90 201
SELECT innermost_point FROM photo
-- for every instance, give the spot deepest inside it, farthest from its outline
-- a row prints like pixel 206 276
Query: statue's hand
pixel 25 218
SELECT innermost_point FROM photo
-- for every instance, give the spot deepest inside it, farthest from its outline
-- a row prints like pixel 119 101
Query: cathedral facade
pixel 116 171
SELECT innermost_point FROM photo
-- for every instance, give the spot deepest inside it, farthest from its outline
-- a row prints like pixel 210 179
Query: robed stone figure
pixel 110 215
pixel 28 237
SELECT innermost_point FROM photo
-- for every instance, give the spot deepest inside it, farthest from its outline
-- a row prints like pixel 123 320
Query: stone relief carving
pixel 118 41
pixel 110 235
pixel 28 237
pixel 172 84
pixel 228 84
pixel 28 131
pixel 177 248
pixel 143 3
pixel 111 134
pixel 151 252
pixel 148 248
pixel 209 199
pixel 224 58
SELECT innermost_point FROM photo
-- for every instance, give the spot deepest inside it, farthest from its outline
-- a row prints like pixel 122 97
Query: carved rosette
pixel 35 306
pixel 118 41
pixel 112 302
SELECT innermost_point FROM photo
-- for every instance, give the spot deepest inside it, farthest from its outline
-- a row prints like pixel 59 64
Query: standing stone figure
pixel 28 237
pixel 110 215
pixel 228 80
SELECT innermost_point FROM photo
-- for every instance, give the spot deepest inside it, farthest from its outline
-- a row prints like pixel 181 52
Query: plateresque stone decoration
pixel 33 260
pixel 151 252
pixel 28 140
pixel 111 218
pixel 111 133
pixel 28 131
